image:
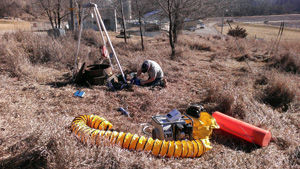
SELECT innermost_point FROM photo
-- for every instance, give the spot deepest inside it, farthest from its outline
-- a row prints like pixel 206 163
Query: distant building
pixel 108 16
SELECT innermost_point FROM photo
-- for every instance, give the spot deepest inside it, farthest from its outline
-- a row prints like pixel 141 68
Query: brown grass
pixel 279 93
pixel 289 62
pixel 36 115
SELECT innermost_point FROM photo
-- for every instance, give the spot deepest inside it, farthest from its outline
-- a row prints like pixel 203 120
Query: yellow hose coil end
pixel 120 139
pixel 178 149
pixel 134 141
pixel 185 149
pixel 141 143
pixel 171 149
pixel 157 147
pixel 114 137
pixel 149 144
pixel 127 140
pixel 164 148
pixel 190 148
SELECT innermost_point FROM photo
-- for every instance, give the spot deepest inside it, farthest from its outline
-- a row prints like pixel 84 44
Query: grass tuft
pixel 288 62
pixel 278 93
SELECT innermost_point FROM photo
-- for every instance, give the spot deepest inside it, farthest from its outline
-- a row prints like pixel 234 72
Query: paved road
pixel 208 30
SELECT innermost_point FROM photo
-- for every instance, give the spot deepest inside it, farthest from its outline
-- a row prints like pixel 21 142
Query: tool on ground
pixel 124 112
pixel 79 93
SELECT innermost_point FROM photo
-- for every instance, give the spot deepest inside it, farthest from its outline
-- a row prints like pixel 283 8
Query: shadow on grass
pixel 31 159
pixel 233 142
pixel 63 81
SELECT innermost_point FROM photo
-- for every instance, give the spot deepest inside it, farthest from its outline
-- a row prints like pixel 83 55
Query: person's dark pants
pixel 156 82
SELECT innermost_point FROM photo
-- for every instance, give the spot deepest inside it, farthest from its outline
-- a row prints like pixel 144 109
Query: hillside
pixel 237 77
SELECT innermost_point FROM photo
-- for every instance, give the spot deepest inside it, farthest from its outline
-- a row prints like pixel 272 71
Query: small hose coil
pixel 94 128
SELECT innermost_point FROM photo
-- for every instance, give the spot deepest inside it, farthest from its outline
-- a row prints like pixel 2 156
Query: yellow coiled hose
pixel 94 128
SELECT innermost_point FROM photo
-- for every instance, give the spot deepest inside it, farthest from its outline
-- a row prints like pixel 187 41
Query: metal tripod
pixel 101 26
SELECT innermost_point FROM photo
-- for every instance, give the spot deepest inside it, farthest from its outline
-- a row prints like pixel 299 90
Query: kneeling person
pixel 155 73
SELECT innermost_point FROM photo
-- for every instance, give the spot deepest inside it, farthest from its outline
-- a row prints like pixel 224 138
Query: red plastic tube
pixel 242 130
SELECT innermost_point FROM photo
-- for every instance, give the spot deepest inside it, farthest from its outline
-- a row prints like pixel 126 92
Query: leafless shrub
pixel 288 62
pixel 237 32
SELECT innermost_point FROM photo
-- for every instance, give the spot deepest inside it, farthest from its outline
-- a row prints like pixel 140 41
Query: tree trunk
pixel 50 19
pixel 171 37
pixel 171 32
pixel 58 13
pixel 123 22
pixel 140 22
pixel 72 15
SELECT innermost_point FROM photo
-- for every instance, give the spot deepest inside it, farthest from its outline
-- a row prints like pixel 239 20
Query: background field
pixel 9 25
pixel 266 32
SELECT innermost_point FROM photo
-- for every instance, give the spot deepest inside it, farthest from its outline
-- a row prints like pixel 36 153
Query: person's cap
pixel 145 67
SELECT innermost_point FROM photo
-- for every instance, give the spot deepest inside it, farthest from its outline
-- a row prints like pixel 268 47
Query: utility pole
pixel 71 15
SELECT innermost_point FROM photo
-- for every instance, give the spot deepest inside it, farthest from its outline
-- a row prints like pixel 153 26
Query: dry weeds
pixel 36 111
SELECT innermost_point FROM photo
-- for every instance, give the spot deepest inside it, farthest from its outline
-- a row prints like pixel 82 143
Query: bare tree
pixel 179 10
pixel 123 21
pixel 138 7
pixel 55 10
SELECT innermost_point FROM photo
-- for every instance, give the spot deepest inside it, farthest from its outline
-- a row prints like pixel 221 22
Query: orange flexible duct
pixel 94 128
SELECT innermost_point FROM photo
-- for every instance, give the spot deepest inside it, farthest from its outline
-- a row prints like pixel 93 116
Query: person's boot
pixel 164 83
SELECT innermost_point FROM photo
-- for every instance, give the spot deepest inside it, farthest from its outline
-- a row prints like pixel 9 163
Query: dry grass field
pixel 6 25
pixel 244 81
pixel 266 32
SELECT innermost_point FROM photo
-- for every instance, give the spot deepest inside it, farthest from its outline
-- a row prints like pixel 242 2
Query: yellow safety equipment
pixel 203 126
pixel 93 128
